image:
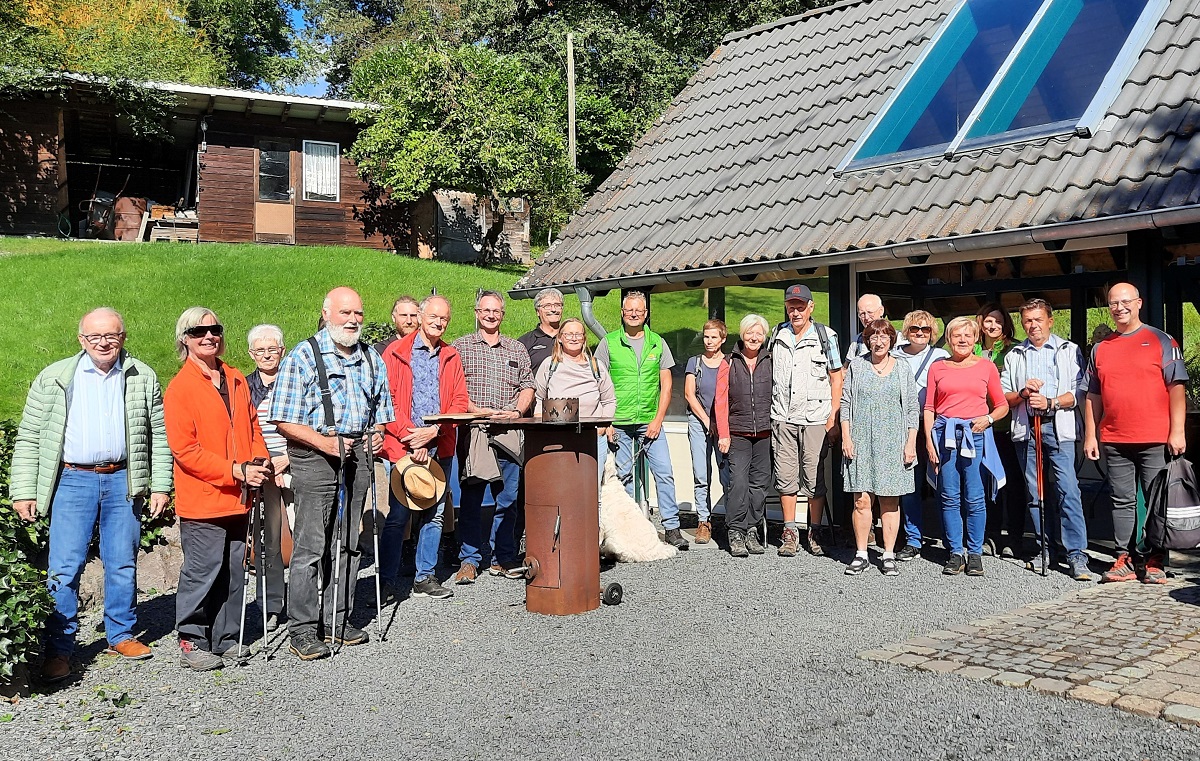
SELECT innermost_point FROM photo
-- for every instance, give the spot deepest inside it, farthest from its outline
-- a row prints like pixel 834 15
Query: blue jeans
pixel 80 500
pixel 659 457
pixel 960 485
pixel 501 546
pixel 428 527
pixel 1069 531
pixel 703 448
pixel 912 505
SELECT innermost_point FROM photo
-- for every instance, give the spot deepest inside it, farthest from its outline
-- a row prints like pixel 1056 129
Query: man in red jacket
pixel 426 378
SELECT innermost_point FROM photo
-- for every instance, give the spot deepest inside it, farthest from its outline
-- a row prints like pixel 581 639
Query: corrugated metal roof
pixel 741 168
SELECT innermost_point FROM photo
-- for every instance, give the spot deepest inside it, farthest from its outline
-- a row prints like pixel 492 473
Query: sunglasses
pixel 202 330
pixel 920 329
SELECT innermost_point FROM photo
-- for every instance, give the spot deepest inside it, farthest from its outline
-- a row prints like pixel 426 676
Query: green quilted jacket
pixel 37 452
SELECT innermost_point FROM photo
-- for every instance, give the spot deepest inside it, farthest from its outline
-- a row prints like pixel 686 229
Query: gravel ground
pixel 708 656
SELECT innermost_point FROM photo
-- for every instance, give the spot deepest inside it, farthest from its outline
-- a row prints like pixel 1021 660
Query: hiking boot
pixel 1078 563
pixel 233 652
pixel 130 649
pixel 857 565
pixel 272 623
pixel 703 532
pixel 889 567
pixel 192 657
pixel 349 637
pixel 674 537
pixel 791 543
pixel 466 574
pixel 974 565
pixel 307 647
pixel 737 544
pixel 55 668
pixel 1155 573
pixel 509 570
pixel 429 587
pixel 1122 570
pixel 954 565
pixel 907 553
pixel 753 546
pixel 815 536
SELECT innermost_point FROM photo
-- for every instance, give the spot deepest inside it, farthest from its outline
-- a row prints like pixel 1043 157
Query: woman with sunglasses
pixel 267 349
pixel 571 372
pixel 214 435
pixel 920 329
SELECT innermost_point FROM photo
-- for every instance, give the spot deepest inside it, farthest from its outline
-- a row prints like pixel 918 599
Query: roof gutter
pixel 585 309
pixel 1120 223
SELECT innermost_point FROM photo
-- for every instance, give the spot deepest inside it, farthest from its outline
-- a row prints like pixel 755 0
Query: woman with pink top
pixel 958 437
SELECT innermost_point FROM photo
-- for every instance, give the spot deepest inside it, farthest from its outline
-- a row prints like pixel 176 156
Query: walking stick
pixel 375 535
pixel 337 552
pixel 262 565
pixel 1037 458
pixel 248 494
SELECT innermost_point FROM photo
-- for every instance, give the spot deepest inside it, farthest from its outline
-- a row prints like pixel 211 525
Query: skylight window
pixel 1003 70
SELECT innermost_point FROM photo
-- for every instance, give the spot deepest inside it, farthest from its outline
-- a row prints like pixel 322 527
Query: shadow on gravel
pixel 1189 595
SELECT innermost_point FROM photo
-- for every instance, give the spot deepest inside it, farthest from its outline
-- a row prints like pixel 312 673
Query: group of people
pixel 101 443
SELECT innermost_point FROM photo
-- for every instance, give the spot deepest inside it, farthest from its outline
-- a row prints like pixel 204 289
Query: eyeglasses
pixel 551 307
pixel 98 338
pixel 920 329
pixel 270 351
pixel 572 336
pixel 879 338
pixel 1122 304
pixel 633 312
pixel 202 330
pixel 490 311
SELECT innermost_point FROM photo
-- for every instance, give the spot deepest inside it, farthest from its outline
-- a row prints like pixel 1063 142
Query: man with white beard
pixel 328 419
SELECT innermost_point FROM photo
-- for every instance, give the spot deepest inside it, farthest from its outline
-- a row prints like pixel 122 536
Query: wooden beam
pixel 212 103
pixel 249 108
pixel 321 114
pixel 287 109
pixel 1015 263
pixel 1064 262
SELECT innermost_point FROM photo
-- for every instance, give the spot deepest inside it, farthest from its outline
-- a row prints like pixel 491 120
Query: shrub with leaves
pixel 24 600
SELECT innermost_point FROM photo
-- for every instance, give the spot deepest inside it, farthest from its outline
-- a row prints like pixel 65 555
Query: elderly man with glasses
pixel 869 308
pixel 640 362
pixel 92 447
pixel 539 342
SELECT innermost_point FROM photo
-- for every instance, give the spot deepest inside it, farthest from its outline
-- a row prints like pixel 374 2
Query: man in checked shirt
pixel 500 384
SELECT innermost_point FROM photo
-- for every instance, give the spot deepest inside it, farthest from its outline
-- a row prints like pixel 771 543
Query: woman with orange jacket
pixel 214 435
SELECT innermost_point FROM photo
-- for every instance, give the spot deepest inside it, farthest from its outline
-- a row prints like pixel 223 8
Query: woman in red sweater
pixel 958 437
pixel 213 432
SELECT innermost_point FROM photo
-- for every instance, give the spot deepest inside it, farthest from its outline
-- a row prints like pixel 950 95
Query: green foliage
pixel 24 600
pixel 374 332
pixel 252 37
pixel 464 118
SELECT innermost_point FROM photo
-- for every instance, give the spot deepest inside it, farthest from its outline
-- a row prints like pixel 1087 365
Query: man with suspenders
pixel 330 402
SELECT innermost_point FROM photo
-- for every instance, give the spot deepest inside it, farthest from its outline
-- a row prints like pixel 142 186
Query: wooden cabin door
pixel 275 198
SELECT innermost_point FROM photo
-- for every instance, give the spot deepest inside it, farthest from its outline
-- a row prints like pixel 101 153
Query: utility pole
pixel 571 96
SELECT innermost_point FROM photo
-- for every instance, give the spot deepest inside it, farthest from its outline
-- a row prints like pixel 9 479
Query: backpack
pixel 1173 508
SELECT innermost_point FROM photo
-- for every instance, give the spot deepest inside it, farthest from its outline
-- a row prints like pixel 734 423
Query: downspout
pixel 585 309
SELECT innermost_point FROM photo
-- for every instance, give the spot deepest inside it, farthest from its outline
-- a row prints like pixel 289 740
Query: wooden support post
pixel 716 304
pixel 1146 260
pixel 1079 316
pixel 841 317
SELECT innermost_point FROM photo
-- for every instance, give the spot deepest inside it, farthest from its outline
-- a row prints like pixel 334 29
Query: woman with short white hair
pixel 743 411
pixel 960 443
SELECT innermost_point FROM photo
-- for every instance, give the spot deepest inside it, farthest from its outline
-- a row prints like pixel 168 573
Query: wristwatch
pixel 991 420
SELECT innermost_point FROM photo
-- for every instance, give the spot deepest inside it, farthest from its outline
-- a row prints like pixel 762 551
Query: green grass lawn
pixel 51 283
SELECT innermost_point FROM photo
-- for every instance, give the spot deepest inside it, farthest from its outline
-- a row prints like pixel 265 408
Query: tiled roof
pixel 740 170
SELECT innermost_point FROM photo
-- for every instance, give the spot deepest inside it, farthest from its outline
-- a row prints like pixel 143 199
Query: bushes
pixel 24 600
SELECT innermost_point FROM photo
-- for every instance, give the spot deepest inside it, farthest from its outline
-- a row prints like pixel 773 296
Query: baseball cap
pixel 798 292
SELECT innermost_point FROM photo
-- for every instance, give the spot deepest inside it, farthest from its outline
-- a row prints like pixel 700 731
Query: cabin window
pixel 274 171
pixel 1003 71
pixel 322 165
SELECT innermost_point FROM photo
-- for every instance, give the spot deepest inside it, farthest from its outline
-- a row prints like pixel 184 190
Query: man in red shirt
pixel 1135 405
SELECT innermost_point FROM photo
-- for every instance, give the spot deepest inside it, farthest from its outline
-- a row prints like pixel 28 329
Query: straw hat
pixel 419 486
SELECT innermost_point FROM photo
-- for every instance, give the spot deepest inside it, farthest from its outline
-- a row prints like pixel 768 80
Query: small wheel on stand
pixel 612 594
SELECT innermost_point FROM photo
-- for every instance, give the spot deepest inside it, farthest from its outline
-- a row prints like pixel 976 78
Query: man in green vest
pixel 640 363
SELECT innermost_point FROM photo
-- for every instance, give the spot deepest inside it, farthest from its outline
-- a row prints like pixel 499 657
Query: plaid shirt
pixel 496 375
pixel 296 397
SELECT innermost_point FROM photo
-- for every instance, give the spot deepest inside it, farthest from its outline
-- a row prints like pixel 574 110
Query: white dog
pixel 625 533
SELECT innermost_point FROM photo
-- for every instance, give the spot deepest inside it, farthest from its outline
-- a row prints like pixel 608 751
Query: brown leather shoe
pixel 466 574
pixel 703 532
pixel 56 668
pixel 130 649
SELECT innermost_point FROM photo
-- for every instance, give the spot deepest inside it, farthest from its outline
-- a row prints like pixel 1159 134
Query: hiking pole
pixel 262 565
pixel 1037 459
pixel 247 499
pixel 375 533
pixel 337 552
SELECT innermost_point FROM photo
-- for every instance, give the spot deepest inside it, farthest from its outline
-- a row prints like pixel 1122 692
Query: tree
pixel 465 118
pixel 251 37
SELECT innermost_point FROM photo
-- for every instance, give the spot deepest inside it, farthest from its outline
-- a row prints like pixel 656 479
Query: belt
pixel 103 468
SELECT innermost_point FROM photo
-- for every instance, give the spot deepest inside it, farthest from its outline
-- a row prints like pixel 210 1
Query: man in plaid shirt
pixel 500 384
pixel 362 404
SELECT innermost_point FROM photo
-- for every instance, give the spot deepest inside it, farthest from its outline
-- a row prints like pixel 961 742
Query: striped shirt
pixel 359 391
pixel 496 375
pixel 96 416
pixel 260 397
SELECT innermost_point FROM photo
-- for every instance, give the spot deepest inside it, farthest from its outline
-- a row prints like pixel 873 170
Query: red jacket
pixel 452 394
pixel 206 442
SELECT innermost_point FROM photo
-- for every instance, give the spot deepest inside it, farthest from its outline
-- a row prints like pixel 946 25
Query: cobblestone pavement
pixel 1130 646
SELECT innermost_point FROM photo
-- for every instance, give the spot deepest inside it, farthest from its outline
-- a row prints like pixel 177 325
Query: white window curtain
pixel 321 167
